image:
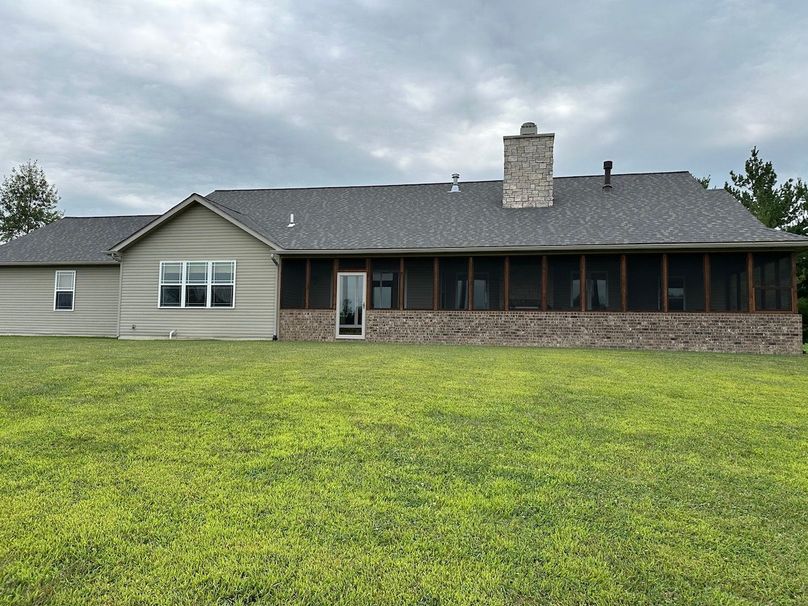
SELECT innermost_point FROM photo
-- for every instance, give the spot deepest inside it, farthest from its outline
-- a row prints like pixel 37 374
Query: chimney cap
pixel 607 165
pixel 529 128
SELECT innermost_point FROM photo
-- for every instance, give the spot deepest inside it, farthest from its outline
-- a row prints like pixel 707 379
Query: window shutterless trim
pixel 57 290
pixel 183 284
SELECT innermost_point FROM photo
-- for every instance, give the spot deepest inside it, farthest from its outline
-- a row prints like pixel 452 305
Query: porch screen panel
pixel 321 284
pixel 489 277
pixel 644 282
pixel 564 283
pixel 524 283
pixel 686 282
pixel 772 275
pixel 293 283
pixel 602 283
pixel 454 279
pixel 728 282
pixel 352 264
pixel 418 283
pixel 385 283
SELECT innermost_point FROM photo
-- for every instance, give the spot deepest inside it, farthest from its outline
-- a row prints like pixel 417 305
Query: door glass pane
pixel 351 303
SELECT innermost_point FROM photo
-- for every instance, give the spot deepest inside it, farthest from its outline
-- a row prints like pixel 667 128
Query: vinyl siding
pixel 26 302
pixel 198 234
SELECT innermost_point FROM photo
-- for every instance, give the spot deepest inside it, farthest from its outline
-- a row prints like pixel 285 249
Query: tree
pixel 27 201
pixel 782 206
pixel 705 181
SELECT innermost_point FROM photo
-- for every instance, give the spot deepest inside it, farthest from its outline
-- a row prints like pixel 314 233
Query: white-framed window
pixel 202 284
pixel 64 290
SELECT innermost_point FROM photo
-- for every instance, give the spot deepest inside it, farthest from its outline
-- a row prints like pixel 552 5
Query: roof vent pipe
pixel 607 175
pixel 291 220
pixel 455 187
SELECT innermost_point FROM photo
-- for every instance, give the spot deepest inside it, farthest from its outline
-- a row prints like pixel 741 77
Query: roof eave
pixel 110 262
pixel 692 246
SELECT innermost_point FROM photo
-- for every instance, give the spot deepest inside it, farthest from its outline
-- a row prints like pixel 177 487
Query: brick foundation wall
pixel 307 325
pixel 749 333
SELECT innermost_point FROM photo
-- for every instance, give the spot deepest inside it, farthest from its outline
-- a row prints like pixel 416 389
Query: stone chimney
pixel 528 180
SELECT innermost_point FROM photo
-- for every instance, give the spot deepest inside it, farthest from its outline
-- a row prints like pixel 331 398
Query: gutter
pixel 695 246
pixel 57 263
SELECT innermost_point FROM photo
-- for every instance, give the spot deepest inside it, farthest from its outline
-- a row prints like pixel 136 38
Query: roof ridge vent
pixel 455 187
pixel 291 220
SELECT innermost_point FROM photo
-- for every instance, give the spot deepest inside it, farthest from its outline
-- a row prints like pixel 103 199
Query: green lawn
pixel 277 473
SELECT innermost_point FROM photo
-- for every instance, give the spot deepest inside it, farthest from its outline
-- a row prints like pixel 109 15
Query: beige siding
pixel 198 234
pixel 26 302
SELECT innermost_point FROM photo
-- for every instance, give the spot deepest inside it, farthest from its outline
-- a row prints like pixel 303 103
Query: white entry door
pixel 351 305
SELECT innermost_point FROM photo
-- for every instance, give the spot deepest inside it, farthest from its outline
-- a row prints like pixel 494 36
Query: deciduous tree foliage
pixel 27 201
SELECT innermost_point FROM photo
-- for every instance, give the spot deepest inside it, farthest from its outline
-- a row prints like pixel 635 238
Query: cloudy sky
pixel 132 106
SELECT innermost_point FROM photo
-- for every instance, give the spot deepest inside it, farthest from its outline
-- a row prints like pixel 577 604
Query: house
pixel 650 260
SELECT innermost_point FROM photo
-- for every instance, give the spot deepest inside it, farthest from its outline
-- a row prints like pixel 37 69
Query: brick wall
pixel 306 325
pixel 753 333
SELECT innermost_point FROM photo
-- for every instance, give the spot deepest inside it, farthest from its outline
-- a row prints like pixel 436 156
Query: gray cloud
pixel 131 107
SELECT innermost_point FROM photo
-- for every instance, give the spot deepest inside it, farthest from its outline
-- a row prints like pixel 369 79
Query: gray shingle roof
pixel 79 240
pixel 641 209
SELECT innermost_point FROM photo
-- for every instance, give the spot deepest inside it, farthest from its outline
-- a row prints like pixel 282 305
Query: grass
pixel 278 473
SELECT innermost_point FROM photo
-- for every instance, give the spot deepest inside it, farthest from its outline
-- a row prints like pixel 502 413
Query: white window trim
pixel 184 283
pixel 57 290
